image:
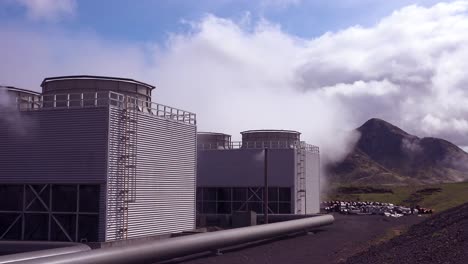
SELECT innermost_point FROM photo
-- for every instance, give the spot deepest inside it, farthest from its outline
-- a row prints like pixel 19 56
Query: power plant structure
pixel 93 159
pixel 231 176
pixel 12 97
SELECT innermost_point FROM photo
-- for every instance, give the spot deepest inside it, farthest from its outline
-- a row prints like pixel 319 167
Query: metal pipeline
pixel 151 252
pixel 17 246
pixel 38 250
pixel 274 218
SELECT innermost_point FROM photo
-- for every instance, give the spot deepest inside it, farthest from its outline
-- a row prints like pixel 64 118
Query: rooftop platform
pixel 103 99
pixel 259 145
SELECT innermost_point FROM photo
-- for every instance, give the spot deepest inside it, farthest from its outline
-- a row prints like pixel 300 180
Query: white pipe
pixel 151 252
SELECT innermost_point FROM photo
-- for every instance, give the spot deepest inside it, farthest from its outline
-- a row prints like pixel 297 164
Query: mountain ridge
pixel 386 154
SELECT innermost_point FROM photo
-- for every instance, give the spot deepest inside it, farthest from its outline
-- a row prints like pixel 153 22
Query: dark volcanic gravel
pixel 332 244
pixel 442 238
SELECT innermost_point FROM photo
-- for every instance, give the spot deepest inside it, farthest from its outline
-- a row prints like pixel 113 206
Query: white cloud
pixel 421 51
pixel 237 80
pixel 361 88
pixel 279 3
pixel 407 69
pixel 50 10
pixel 431 124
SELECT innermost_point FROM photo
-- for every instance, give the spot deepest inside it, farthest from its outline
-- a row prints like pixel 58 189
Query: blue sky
pixel 319 67
pixel 151 20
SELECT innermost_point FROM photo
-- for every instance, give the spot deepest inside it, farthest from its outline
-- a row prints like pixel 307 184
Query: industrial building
pixel 230 175
pixel 18 98
pixel 95 160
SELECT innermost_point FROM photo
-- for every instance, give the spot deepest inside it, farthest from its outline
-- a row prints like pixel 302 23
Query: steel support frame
pixel 48 211
pixel 253 194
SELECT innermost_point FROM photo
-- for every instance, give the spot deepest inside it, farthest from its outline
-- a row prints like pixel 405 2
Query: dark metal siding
pixel 244 168
pixel 54 146
pixel 57 146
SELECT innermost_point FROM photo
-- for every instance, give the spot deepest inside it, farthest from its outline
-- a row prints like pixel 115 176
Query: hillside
pixel 438 197
pixel 385 154
pixel 439 239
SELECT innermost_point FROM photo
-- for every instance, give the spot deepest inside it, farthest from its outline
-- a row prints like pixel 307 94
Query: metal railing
pixel 28 102
pixel 309 147
pixel 258 145
pixel 108 98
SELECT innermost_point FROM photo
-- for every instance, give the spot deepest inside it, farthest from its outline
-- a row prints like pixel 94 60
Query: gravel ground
pixel 349 235
pixel 440 239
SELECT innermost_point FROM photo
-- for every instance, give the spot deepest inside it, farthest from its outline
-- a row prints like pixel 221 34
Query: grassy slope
pixel 451 195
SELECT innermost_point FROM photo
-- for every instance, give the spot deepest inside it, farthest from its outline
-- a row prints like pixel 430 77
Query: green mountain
pixel 385 154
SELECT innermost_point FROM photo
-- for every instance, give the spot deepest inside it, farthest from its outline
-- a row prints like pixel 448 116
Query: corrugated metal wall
pixel 59 146
pixel 244 168
pixel 54 146
pixel 166 177
pixel 102 212
pixel 312 182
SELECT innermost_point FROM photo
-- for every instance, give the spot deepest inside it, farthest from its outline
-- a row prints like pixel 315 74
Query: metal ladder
pixel 300 180
pixel 127 163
